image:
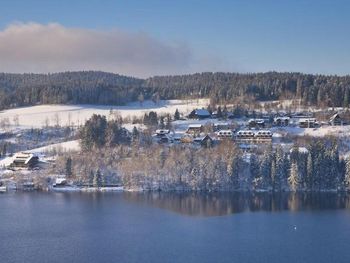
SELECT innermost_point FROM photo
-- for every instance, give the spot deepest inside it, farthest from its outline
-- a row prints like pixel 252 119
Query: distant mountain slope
pixel 94 87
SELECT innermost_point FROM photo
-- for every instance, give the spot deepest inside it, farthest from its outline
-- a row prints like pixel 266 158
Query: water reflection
pixel 218 204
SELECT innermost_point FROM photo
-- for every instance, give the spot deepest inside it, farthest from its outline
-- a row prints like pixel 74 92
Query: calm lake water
pixel 136 227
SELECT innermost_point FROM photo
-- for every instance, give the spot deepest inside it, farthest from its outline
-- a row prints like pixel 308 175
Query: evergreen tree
pixel 310 172
pixel 224 112
pixel 135 134
pixel 293 178
pixel 219 114
pixel 177 115
pixel 97 182
pixel 68 166
pixel 161 122
pixel 265 168
pixel 347 174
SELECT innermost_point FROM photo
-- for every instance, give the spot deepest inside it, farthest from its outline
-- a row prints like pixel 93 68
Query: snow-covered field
pixel 39 116
pixel 63 146
pixel 339 131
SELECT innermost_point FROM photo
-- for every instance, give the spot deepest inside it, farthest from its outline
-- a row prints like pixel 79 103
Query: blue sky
pixel 245 36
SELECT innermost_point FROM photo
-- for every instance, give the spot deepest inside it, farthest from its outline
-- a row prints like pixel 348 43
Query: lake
pixel 170 227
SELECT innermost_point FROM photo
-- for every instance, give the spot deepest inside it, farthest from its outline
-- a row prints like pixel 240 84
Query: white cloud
pixel 33 47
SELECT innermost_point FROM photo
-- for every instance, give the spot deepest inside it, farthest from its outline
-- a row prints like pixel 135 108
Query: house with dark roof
pixel 256 123
pixel 336 120
pixel 195 129
pixel 205 141
pixel 24 160
pixel 199 114
pixel 281 121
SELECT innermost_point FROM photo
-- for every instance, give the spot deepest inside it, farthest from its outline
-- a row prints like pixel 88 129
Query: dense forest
pixel 318 90
pixel 86 87
pixel 107 88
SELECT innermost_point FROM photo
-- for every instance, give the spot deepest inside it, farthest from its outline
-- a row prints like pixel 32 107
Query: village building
pixel 336 120
pixel 221 126
pixel 24 160
pixel 245 134
pixel 205 141
pixel 263 135
pixel 194 129
pixel 162 132
pixel 307 123
pixel 224 134
pixel 199 114
pixel 281 121
pixel 256 123
pixel 254 136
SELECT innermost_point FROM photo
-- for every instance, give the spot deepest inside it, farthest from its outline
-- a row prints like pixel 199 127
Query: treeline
pixel 226 168
pixel 86 87
pixel 107 88
pixel 221 168
pixel 318 90
pixel 315 168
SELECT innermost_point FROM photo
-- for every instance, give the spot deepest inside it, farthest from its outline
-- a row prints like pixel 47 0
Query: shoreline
pixel 68 189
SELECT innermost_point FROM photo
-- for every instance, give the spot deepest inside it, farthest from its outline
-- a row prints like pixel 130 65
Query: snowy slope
pixel 64 146
pixel 36 116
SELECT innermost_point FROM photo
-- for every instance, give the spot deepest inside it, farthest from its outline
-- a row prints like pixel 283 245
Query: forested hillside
pixel 108 88
pixel 312 89
pixel 67 88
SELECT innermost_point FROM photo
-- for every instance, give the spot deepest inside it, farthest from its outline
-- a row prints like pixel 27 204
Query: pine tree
pixel 97 182
pixel 310 172
pixel 68 166
pixel 135 134
pixel 219 114
pixel 161 122
pixel 224 112
pixel 347 174
pixel 294 178
pixel 265 169
pixel 177 115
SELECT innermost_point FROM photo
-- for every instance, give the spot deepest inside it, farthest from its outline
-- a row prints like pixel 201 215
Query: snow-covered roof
pixel 334 117
pixel 199 139
pixel 256 120
pixel 162 131
pixel 221 124
pixel 202 112
pixel 224 131
pixel 307 120
pixel 285 118
pixel 23 157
